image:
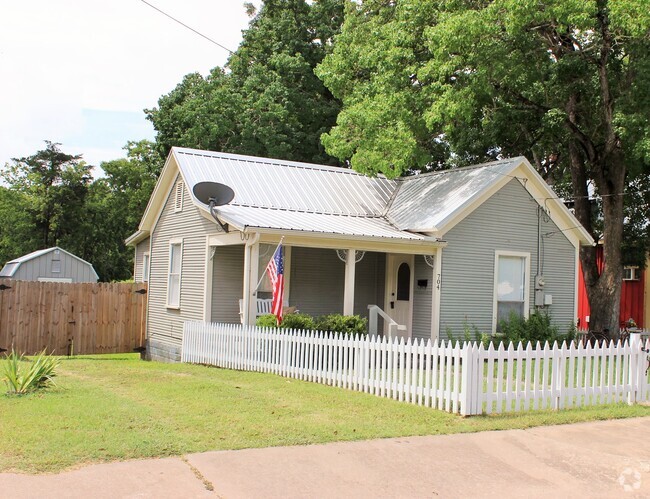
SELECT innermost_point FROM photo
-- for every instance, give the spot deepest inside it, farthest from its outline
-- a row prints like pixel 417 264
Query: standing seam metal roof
pixel 286 185
pixel 286 195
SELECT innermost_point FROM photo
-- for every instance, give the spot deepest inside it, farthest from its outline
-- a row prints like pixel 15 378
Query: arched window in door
pixel 404 282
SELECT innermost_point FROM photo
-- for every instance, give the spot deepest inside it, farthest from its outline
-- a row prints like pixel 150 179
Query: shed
pixel 51 264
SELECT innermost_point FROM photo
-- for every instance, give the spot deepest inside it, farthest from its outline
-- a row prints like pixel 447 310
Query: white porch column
pixel 251 264
pixel 348 295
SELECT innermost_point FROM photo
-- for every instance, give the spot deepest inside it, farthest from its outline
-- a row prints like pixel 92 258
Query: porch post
pixel 348 295
pixel 437 289
pixel 251 270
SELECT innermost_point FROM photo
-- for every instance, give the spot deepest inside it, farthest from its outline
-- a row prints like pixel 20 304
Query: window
pixel 56 261
pixel 145 267
pixel 174 277
pixel 178 196
pixel 511 285
pixel 404 282
pixel 631 274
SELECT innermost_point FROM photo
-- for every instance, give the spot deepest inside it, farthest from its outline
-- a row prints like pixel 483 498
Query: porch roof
pixel 244 217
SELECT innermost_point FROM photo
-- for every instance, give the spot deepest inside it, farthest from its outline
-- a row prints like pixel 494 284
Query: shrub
pixel 289 321
pixel 536 328
pixel 346 324
pixel 22 376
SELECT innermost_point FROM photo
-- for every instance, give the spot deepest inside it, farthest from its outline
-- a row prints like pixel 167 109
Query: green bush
pixel 22 376
pixel 536 328
pixel 289 321
pixel 346 324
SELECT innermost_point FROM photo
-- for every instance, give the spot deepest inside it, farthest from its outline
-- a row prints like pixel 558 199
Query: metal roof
pixel 11 266
pixel 264 218
pixel 287 185
pixel 424 203
pixel 289 196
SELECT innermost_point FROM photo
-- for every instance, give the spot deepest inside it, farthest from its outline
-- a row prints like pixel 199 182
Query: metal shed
pixel 51 264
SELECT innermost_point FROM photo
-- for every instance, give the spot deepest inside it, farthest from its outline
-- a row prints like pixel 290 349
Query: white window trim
pixel 520 254
pixel 178 196
pixel 172 242
pixel 146 266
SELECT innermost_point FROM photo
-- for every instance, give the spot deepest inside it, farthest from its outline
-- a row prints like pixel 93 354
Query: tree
pixel 17 234
pixel 53 187
pixel 565 83
pixel 267 101
pixel 114 208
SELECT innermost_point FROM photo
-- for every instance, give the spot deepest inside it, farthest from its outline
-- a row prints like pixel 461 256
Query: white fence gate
pixel 457 378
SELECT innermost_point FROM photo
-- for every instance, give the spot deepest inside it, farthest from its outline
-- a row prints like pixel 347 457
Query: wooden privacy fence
pixel 86 318
pixel 466 378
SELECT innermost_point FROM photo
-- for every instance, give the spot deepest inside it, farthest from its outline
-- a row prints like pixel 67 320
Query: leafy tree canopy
pixel 564 82
pixel 267 100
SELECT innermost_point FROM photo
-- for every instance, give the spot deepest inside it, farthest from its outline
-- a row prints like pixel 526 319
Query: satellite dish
pixel 214 194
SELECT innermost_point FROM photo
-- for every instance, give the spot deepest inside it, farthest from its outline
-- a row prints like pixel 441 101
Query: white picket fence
pixel 466 378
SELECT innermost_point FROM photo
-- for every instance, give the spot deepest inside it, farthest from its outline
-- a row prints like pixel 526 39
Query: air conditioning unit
pixel 631 273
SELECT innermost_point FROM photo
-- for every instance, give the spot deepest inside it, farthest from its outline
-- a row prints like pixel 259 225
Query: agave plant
pixel 22 376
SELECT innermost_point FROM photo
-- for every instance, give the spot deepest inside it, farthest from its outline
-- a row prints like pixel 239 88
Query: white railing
pixel 457 378
pixel 393 327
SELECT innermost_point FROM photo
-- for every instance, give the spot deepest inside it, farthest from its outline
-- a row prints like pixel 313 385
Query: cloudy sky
pixel 80 72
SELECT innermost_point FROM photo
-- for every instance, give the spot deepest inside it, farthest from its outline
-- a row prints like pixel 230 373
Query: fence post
pixel 468 406
pixel 636 367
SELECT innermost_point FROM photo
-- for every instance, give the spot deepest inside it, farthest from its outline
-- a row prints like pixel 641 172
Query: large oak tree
pixel 564 82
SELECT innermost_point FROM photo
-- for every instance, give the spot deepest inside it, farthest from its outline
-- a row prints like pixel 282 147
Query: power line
pixel 188 27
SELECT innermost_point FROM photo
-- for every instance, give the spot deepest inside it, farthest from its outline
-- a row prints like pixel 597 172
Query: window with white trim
pixel 178 196
pixel 511 283
pixel 145 267
pixel 174 276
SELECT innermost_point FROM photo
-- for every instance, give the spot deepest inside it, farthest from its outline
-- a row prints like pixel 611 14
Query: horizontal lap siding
pixel 140 249
pixel 227 283
pixel 369 282
pixel 507 222
pixel 317 281
pixel 165 326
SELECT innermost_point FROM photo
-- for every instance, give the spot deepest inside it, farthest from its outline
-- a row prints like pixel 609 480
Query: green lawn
pixel 117 407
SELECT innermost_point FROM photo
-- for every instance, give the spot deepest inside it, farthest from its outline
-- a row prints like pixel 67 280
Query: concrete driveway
pixel 601 459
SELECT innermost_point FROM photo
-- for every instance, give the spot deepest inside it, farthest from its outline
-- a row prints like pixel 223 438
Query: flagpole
pixel 264 273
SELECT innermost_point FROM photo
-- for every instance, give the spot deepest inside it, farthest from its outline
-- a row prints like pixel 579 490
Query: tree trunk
pixel 604 288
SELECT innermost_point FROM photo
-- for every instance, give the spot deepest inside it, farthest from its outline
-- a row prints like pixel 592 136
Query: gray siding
pixel 507 221
pixel 41 266
pixel 422 297
pixel 317 280
pixel 369 282
pixel 227 283
pixel 164 325
pixel 140 249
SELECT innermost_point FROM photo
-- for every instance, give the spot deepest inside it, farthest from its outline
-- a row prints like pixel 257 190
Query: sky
pixel 80 72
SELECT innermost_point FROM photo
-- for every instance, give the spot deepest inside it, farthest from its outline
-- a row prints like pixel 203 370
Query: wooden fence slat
pixel 97 317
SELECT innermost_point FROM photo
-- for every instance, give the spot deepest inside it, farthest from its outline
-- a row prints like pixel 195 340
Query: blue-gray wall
pixel 507 222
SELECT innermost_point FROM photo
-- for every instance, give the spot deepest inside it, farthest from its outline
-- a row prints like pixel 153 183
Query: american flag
pixel 275 269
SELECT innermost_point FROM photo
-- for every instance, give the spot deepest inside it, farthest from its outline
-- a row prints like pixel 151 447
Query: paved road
pixel 601 459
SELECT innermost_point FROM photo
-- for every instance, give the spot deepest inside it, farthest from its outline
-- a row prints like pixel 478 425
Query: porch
pixel 326 279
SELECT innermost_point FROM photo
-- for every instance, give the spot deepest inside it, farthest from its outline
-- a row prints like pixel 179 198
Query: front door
pixel 399 291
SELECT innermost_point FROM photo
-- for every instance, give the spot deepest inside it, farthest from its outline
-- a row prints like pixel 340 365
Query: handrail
pixel 393 326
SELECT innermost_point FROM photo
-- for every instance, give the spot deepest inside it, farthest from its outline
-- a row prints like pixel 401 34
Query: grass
pixel 117 407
